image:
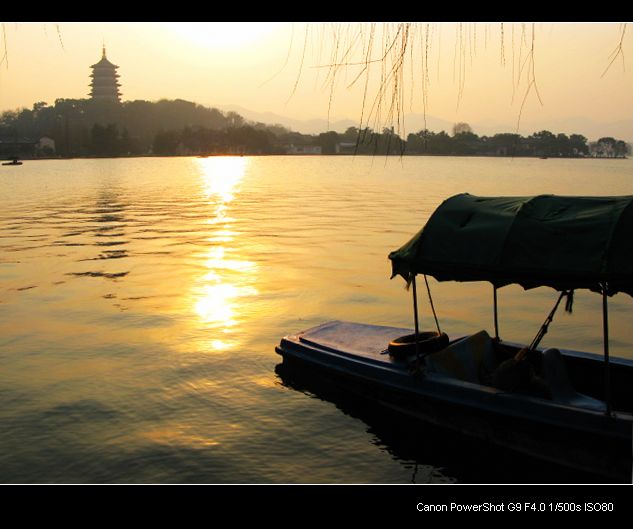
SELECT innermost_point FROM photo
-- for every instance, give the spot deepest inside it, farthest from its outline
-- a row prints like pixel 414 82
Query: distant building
pixel 303 149
pixel 104 85
pixel 46 146
pixel 346 147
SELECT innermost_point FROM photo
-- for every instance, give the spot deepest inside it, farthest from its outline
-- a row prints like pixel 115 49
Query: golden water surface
pixel 141 301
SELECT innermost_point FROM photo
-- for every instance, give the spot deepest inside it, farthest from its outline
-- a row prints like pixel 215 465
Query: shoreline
pixel 217 155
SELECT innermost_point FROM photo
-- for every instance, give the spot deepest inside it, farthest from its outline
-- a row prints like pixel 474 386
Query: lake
pixel 141 300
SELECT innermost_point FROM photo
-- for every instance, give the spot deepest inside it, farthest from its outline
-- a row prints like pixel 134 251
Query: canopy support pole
pixel 415 316
pixel 494 290
pixel 428 289
pixel 605 332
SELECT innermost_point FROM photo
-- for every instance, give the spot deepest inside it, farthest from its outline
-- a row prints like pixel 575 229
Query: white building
pixel 303 149
pixel 346 147
pixel 45 146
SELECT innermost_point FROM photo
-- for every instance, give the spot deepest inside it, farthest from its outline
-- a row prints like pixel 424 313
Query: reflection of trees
pixel 110 219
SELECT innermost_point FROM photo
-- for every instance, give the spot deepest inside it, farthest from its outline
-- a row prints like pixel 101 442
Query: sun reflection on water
pixel 221 174
pixel 220 295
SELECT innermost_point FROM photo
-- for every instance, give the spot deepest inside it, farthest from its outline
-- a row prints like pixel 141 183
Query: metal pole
pixel 605 332
pixel 494 289
pixel 428 289
pixel 415 316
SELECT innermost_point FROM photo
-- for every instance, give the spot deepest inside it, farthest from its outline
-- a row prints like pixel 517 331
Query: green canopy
pixel 546 240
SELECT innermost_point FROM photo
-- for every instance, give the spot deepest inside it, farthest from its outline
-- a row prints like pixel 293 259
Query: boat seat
pixel 560 386
pixel 464 359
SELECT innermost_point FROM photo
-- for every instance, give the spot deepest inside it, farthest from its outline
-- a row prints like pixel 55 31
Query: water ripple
pixel 157 364
pixel 99 274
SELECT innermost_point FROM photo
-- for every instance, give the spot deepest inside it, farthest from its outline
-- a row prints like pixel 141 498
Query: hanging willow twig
pixel 531 78
pixel 618 52
pixel 5 55
pixel 381 53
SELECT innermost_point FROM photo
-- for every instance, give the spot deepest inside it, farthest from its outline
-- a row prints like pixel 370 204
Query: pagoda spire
pixel 104 85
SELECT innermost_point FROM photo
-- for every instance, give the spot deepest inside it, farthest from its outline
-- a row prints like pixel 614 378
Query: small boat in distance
pixel 568 407
pixel 15 161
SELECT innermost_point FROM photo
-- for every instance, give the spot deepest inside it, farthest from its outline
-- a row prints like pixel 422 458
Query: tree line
pixel 544 144
pixel 83 127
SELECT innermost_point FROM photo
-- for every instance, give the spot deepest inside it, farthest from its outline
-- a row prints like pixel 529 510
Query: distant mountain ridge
pixel 414 122
pixel 304 126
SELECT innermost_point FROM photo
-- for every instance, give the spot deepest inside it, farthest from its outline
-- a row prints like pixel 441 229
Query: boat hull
pixel 355 355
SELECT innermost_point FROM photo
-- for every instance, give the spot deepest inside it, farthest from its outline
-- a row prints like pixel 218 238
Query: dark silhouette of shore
pixel 74 128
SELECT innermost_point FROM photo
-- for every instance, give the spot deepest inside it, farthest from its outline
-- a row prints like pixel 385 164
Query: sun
pixel 222 35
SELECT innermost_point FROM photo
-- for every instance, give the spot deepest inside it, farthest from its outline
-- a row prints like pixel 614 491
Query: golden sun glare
pixel 221 296
pixel 222 35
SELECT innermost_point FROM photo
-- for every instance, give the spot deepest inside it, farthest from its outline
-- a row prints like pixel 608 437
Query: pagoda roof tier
pixel 107 95
pixel 104 89
pixel 104 62
pixel 104 82
pixel 106 92
pixel 104 74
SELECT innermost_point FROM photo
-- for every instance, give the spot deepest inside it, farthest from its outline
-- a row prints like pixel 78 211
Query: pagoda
pixel 104 85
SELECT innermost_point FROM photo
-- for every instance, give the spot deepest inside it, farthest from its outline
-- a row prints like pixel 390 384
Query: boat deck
pixel 360 340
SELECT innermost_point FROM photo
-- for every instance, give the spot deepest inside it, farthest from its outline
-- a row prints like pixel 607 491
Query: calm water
pixel 141 301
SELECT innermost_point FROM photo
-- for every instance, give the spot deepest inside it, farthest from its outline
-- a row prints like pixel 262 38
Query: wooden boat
pixel 572 408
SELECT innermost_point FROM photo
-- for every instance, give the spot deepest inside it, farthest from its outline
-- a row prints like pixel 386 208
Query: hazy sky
pixel 474 72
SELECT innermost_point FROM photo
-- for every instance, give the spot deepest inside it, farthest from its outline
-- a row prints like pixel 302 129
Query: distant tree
pixel 505 144
pixel 461 128
pixel 106 140
pixel 465 143
pixel 37 107
pixel 353 133
pixel 72 134
pixel 562 145
pixel 417 143
pixel 9 116
pixel 166 142
pixel 607 146
pixel 620 149
pixel 249 140
pixel 328 141
pixel 234 120
pixel 276 129
pixel 391 143
pixel 578 144
pixel 440 143
pixel 543 143
pixel 129 145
